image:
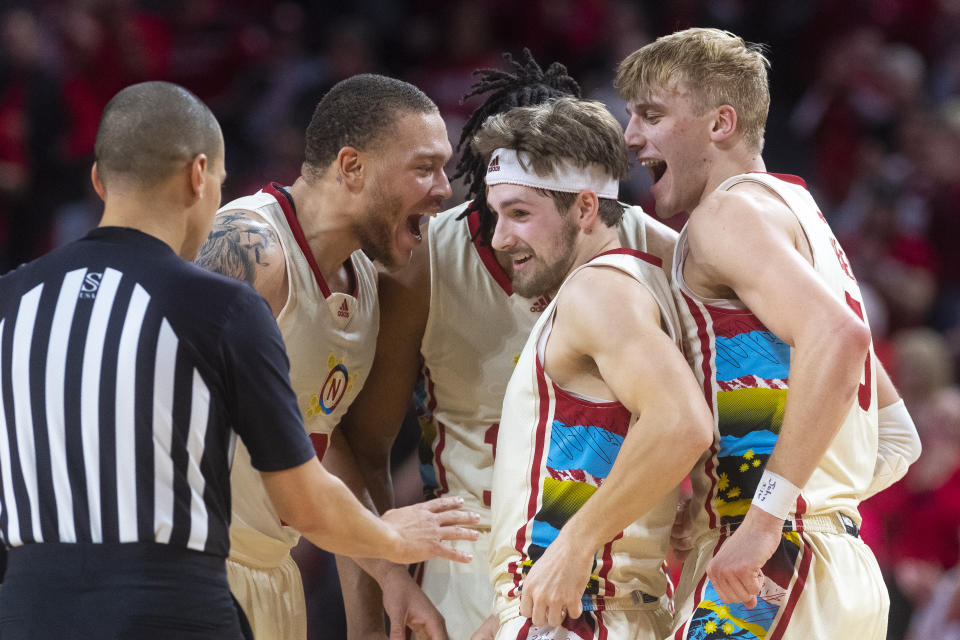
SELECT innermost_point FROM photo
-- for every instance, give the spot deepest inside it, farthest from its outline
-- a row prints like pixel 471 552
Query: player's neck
pixel 323 210
pixel 589 245
pixel 728 164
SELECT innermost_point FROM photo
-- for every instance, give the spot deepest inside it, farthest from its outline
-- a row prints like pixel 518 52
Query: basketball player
pixel 375 151
pixel 452 327
pixel 768 301
pixel 602 418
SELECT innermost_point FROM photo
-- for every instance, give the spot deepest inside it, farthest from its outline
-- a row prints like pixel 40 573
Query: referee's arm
pixel 319 506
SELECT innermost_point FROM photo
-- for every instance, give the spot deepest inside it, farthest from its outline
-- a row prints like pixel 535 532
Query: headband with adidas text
pixel 506 167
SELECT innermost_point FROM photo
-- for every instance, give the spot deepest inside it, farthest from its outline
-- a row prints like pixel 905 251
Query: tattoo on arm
pixel 236 246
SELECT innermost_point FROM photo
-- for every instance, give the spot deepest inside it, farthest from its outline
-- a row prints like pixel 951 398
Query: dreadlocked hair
pixel 528 85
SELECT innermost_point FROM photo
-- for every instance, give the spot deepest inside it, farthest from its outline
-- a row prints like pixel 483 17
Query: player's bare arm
pixel 746 241
pixel 242 245
pixel 636 363
pixel 374 419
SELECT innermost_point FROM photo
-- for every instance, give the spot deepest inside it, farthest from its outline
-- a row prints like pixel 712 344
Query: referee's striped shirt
pixel 125 375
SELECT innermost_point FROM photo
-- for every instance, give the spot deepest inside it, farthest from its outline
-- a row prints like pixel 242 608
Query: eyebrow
pixel 513 201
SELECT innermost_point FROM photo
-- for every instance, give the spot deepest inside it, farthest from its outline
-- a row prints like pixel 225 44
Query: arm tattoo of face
pixel 236 246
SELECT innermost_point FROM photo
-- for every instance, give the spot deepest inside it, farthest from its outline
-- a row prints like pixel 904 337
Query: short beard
pixel 374 232
pixel 549 279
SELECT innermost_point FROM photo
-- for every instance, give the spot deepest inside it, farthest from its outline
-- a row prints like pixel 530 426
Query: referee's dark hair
pixel 358 112
pixel 149 129
pixel 528 86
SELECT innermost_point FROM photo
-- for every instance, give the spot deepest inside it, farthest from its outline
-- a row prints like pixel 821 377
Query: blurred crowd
pixel 866 107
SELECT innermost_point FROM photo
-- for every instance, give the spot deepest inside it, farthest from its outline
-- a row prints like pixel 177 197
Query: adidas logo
pixel 344 311
pixel 494 164
pixel 540 305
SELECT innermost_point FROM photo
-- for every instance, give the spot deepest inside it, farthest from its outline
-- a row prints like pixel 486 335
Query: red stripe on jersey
pixel 609 590
pixel 729 323
pixel 798 514
pixel 786 177
pixel 796 590
pixel 610 415
pixel 705 360
pixel 646 257
pixel 320 443
pixel 601 628
pixel 441 433
pixel 286 205
pixel 538 450
pixel 665 570
pixel 486 254
pixel 524 630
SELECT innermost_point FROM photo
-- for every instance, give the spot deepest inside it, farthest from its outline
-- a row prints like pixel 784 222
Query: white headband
pixel 505 168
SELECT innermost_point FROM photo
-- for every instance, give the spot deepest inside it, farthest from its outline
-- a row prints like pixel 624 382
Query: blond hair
pixel 716 66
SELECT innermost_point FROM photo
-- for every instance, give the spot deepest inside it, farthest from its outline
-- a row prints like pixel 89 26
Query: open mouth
pixel 656 167
pixel 413 225
pixel 521 260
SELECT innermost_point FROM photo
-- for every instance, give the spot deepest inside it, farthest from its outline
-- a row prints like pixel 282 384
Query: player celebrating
pixel 375 151
pixel 602 418
pixel 453 324
pixel 768 301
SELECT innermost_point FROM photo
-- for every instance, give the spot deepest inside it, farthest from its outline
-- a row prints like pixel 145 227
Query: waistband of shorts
pixel 508 608
pixel 833 522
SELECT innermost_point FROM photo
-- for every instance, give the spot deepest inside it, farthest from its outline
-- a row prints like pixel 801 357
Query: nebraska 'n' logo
pixel 334 388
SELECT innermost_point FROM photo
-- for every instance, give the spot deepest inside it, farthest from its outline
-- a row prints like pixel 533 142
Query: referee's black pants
pixel 137 591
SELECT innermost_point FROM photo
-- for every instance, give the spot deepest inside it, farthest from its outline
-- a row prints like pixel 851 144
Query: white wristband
pixel 776 495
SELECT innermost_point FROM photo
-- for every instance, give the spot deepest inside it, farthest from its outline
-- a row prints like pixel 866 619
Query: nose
pixel 633 136
pixel 502 238
pixel 442 185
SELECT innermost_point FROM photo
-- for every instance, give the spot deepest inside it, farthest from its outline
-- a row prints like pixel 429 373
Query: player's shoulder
pixel 245 245
pixel 603 300
pixel 607 279
pixel 744 209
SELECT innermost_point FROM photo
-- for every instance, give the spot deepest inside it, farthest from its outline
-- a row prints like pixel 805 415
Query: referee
pixel 126 374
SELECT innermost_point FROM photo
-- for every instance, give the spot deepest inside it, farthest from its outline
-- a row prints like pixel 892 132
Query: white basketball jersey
pixel 330 340
pixel 475 330
pixel 744 370
pixel 556 448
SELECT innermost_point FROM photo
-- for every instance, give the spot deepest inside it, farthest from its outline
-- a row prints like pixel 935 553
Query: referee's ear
pixel 198 175
pixel 97 183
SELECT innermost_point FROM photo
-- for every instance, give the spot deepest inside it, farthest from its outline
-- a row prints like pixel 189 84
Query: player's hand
pixel 487 630
pixel 553 588
pixel 681 535
pixel 407 606
pixel 736 569
pixel 421 529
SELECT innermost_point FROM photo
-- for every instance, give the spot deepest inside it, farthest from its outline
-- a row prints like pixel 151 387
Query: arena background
pixel 865 107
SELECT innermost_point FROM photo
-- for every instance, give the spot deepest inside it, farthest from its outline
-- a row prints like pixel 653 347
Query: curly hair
pixel 528 85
